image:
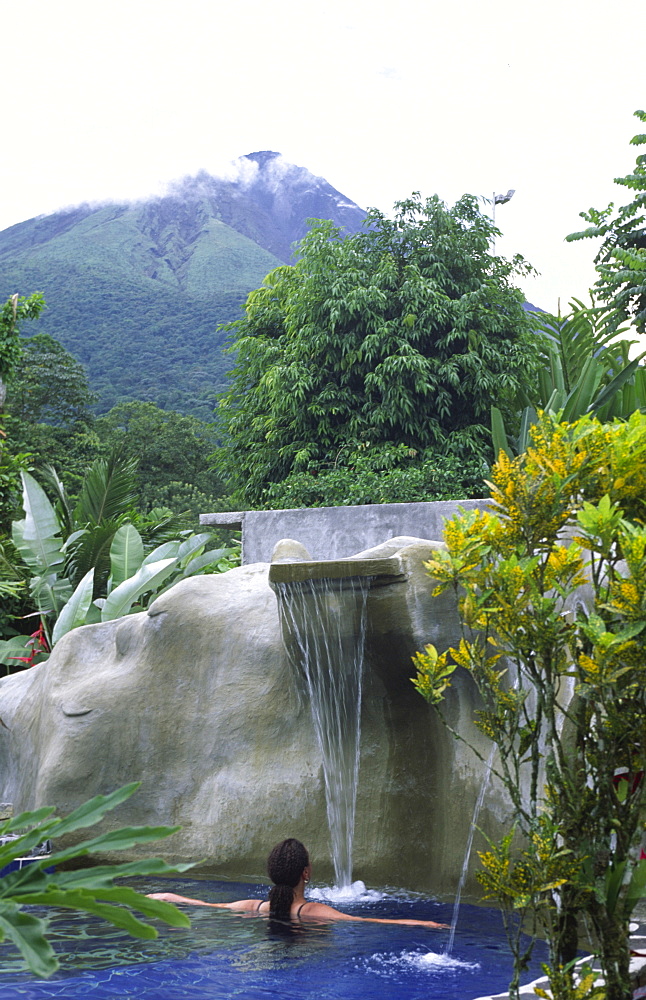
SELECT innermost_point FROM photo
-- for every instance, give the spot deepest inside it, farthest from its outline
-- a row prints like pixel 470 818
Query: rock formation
pixel 197 699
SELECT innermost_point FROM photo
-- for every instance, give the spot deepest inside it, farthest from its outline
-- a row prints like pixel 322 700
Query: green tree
pixel 48 385
pixel 621 260
pixel 381 475
pixel 402 334
pixel 551 587
pixel 173 453
pixel 13 312
pixel 16 309
pixel 49 410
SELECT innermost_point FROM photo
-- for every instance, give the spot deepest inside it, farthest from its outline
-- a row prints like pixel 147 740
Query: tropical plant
pixel 621 260
pixel 551 587
pixel 16 309
pixel 401 334
pixel 101 570
pixel 91 890
pixel 583 368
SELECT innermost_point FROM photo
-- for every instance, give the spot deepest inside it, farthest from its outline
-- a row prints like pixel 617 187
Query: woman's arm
pixel 240 904
pixel 321 911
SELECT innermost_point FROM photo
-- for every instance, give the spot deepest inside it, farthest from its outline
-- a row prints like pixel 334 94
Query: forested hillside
pixel 136 291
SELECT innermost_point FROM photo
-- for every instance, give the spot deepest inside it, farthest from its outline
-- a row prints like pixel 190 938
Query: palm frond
pixel 109 490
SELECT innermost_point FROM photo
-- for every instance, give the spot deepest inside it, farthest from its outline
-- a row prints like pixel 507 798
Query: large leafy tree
pixel 173 454
pixel 49 415
pixel 621 260
pixel 402 334
pixel 16 309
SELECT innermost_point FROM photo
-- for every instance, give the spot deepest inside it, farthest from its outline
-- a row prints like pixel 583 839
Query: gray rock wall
pixel 198 700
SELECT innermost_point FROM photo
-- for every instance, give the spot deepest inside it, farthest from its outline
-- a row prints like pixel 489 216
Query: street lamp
pixel 499 199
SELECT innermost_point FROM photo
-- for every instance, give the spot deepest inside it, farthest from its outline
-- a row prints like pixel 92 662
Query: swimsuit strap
pixel 259 905
pixel 298 912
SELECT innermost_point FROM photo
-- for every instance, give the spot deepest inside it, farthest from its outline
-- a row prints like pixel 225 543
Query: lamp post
pixel 499 199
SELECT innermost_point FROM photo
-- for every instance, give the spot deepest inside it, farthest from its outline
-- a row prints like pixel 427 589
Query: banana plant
pixel 583 369
pixel 130 578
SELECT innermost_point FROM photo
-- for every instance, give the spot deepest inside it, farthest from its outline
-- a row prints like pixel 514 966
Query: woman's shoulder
pixel 249 905
pixel 311 910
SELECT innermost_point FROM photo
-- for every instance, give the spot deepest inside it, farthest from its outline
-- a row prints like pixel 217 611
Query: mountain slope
pixel 136 291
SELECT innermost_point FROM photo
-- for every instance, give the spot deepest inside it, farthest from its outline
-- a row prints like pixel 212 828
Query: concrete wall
pixel 338 532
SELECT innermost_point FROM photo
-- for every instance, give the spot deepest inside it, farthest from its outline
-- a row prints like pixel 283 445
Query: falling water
pixel 326 620
pixel 467 854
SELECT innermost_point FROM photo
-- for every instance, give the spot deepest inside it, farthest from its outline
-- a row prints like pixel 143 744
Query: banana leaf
pixel 126 555
pixel 74 613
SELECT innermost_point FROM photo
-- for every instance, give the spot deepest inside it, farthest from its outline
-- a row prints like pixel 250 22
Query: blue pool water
pixel 226 955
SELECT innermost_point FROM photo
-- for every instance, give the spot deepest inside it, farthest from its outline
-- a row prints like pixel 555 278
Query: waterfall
pixel 467 854
pixel 326 622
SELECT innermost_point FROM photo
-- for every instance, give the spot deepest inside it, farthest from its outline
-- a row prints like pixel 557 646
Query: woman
pixel 289 869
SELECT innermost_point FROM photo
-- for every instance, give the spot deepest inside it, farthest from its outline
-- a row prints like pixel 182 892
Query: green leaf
pixel 37 538
pixel 167 550
pixel 116 840
pixel 74 613
pixel 14 647
pixel 104 874
pixel 126 554
pixel 200 562
pixel 109 490
pixel 582 394
pixel 499 434
pixel 94 809
pixel 28 934
pixel 191 546
pixel 83 899
pixel 148 578
pixel 614 386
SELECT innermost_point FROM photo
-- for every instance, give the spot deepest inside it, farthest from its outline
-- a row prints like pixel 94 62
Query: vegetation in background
pixel 621 260
pixel 99 559
pixel 133 299
pixel 584 368
pixel 400 335
pixel 173 455
pixel 551 588
pixel 16 309
pixel 391 474
pixel 91 890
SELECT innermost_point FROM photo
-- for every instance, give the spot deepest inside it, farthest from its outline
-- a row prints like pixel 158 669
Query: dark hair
pixel 285 866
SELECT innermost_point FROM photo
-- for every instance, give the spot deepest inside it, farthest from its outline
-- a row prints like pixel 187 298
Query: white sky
pixel 114 99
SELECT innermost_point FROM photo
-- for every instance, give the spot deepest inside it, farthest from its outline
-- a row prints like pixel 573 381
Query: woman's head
pixel 285 866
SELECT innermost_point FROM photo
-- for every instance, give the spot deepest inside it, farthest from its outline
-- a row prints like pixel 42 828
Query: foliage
pixel 91 890
pixel 551 587
pixel 621 260
pixel 48 385
pixel 90 564
pixel 571 982
pixel 173 454
pixel 16 309
pixel 130 331
pixel 391 474
pixel 12 313
pixel 401 334
pixel 583 368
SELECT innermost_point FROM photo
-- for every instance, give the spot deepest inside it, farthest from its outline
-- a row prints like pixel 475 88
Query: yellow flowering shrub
pixel 550 583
